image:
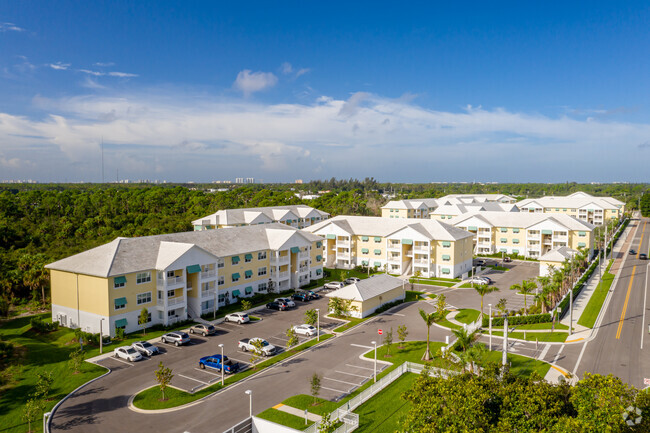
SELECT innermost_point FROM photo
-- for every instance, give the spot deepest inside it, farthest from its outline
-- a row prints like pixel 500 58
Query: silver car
pixel 145 348
pixel 287 301
pixel 304 329
pixel 237 318
pixel 334 285
pixel 175 338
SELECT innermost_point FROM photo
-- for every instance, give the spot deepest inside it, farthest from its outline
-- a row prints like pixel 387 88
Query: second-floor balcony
pixel 171 281
pixel 208 274
pixel 208 294
pixel 424 248
pixel 171 302
pixel 280 260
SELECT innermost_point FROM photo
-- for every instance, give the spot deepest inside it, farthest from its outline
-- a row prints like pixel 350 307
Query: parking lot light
pixel 375 368
pixel 318 324
pixel 223 383
pixel 490 322
pixel 250 402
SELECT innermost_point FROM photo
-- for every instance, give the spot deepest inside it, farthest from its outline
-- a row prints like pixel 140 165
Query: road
pixel 616 346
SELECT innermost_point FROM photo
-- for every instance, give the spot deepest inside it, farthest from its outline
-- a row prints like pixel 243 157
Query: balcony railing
pixel 208 293
pixel 421 248
pixel 422 262
pixel 283 260
pixel 170 281
pixel 209 274
pixel 283 275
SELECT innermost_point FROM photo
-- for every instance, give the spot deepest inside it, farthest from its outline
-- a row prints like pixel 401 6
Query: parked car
pixel 202 329
pixel 507 259
pixel 275 305
pixel 480 262
pixel 632 252
pixel 335 285
pixel 478 280
pixel 488 279
pixel 214 361
pixel 287 301
pixel 352 280
pixel 145 348
pixel 246 344
pixel 301 296
pixel 175 338
pixel 305 329
pixel 128 353
pixel 643 256
pixel 237 318
pixel 313 295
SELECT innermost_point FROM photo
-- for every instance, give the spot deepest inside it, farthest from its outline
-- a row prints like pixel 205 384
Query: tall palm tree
pixel 463 338
pixel 429 319
pixel 527 287
pixel 484 289
pixel 544 298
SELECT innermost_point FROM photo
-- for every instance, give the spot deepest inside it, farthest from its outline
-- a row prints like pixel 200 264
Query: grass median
pixel 595 304
pixel 150 398
pixel 542 337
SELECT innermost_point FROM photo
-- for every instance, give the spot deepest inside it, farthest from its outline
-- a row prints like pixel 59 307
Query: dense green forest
pixel 40 223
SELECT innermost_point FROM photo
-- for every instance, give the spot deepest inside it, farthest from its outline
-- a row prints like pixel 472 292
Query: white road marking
pixel 395 314
pixel 342 381
pixel 544 352
pixel 364 368
pixel 196 380
pixel 557 355
pixel 352 374
pixel 121 360
pixel 335 390
pixel 575 369
pixel 281 339
pixel 239 360
pixel 167 345
pixel 362 346
pixel 209 372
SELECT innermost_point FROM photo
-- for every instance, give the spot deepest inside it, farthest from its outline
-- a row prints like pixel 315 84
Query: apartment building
pixel 298 216
pixel 179 276
pixel 448 212
pixel 526 234
pixel 594 210
pixel 428 207
pixel 403 245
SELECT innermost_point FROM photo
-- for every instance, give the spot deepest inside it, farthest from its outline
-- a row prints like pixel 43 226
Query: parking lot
pixel 184 360
pixel 336 384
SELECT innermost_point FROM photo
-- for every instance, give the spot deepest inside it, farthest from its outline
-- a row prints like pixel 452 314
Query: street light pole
pixel 375 369
pixel 571 311
pixel 223 383
pixel 250 402
pixel 504 360
pixel 490 325
pixel 101 337
pixel 318 324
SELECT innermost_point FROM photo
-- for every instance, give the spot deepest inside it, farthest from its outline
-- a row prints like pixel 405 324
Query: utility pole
pixel 504 360
pixel 571 311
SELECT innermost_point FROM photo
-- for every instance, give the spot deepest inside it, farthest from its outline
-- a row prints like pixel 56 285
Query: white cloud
pixel 104 64
pixel 59 66
pixel 250 82
pixel 366 135
pixel 10 27
pixel 122 74
pixel 89 83
pixel 89 72
pixel 286 68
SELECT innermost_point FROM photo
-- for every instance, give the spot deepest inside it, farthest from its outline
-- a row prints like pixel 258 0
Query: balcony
pixel 283 275
pixel 172 301
pixel 171 281
pixel 394 247
pixel 208 274
pixel 423 262
pixel 209 294
pixel 395 260
pixel 345 256
pixel 282 260
pixel 342 244
pixel 423 248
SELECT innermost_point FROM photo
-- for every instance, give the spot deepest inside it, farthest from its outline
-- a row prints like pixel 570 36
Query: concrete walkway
pixel 297 412
pixel 580 303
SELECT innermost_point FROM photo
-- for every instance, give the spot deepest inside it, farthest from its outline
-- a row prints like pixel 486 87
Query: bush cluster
pixel 388 306
pixel 39 325
pixel 87 337
pixel 6 350
pixel 518 320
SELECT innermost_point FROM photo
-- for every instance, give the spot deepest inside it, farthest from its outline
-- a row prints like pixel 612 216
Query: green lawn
pixel 446 323
pixel 150 397
pixel 521 365
pixel 591 311
pixel 280 417
pixel 542 337
pixel 498 268
pixel 432 282
pixel 541 326
pixel 353 321
pixel 36 353
pixel 413 296
pixel 334 274
pixel 383 412
pixel 467 315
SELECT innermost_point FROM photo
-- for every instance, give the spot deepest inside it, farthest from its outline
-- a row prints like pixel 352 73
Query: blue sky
pixel 415 92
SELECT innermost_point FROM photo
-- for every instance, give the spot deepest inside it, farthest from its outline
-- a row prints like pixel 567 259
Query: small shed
pixel 555 258
pixel 369 294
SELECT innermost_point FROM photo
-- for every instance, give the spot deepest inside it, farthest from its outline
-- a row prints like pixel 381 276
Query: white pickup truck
pixel 246 344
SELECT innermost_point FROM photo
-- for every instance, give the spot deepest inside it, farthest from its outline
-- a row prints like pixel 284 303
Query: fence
pixel 245 426
pixel 351 420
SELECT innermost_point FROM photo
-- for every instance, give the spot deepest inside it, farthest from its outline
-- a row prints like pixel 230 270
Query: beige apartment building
pixel 298 216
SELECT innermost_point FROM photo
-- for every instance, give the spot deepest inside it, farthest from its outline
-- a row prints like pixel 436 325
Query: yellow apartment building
pixel 298 216
pixel 179 276
pixel 594 210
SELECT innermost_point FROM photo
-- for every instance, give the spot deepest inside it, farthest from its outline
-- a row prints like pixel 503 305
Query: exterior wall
pixel 544 267
pixel 316 266
pixel 515 240
pixel 93 292
pixel 71 318
pixel 369 306
pixel 225 291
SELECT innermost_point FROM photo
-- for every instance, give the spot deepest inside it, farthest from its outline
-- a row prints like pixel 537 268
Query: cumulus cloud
pixel 398 138
pixel 59 66
pixel 10 27
pixel 250 82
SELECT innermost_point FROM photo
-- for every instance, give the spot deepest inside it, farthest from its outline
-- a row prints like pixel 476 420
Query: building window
pixel 171 293
pixel 261 287
pixel 119 282
pixel 235 278
pixel 261 255
pixel 248 274
pixel 144 298
pixel 220 264
pixel 261 271
pixel 171 274
pixel 221 281
pixel 143 277
pixel 120 303
pixel 248 258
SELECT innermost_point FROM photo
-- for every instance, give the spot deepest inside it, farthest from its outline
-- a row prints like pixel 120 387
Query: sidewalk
pixel 297 412
pixel 580 303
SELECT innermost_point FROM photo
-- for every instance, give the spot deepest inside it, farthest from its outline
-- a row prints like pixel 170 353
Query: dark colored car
pixel 214 361
pixel 313 295
pixel 301 296
pixel 507 259
pixel 643 256
pixel 281 306
pixel 632 252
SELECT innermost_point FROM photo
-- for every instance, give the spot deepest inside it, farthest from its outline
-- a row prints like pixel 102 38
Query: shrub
pixel 39 325
pixel 387 306
pixel 518 320
pixel 87 337
pixel 6 350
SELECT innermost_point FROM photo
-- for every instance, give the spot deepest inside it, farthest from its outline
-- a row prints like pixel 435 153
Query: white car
pixel 287 301
pixel 305 329
pixel 128 353
pixel 334 285
pixel 478 280
pixel 237 318
pixel 145 348
pixel 352 280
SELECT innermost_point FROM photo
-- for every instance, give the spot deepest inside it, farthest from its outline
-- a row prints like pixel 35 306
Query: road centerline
pixel 627 298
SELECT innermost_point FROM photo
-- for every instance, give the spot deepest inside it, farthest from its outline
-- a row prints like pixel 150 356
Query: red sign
pixel 379 332
pixel 646 381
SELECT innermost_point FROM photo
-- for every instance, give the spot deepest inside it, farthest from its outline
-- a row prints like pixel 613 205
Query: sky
pixel 399 91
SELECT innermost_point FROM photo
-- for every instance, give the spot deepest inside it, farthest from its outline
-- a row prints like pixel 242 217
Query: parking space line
pixel 395 314
pixel 281 339
pixel 352 374
pixel 335 390
pixel 166 345
pixel 209 372
pixel 361 345
pixel 342 381
pixel 239 360
pixel 196 380
pixel 121 360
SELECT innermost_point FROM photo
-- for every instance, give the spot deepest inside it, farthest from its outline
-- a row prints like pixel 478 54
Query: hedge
pixel 518 320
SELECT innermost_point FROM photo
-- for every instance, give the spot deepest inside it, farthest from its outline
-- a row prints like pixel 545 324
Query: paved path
pixel 297 412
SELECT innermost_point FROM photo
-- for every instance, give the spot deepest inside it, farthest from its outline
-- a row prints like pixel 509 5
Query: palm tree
pixel 527 288
pixel 429 319
pixel 476 355
pixel 484 289
pixel 544 298
pixel 463 338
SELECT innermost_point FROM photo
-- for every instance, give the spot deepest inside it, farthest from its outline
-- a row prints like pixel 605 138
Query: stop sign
pixel 379 331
